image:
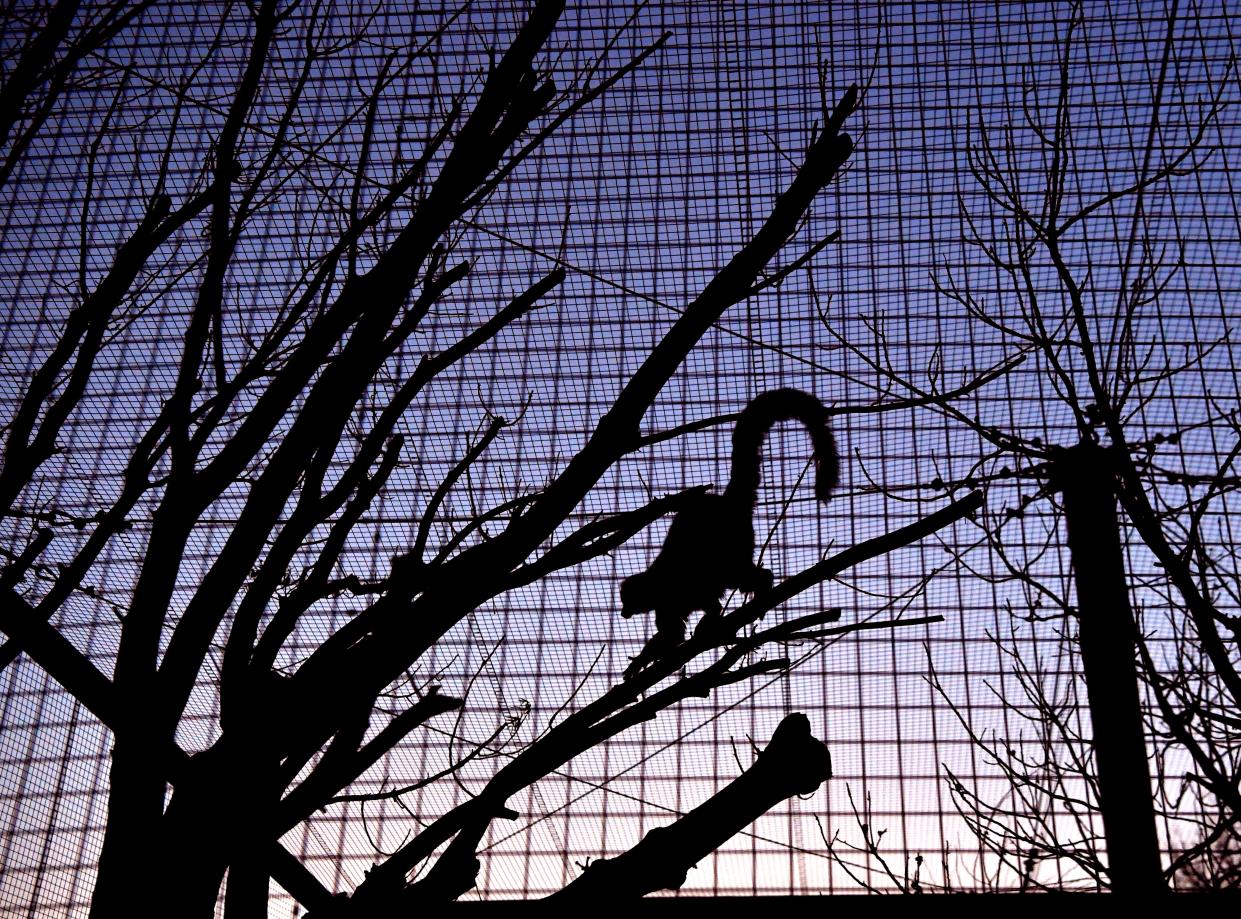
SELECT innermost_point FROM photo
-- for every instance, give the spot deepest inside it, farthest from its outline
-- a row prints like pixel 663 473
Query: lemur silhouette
pixel 710 545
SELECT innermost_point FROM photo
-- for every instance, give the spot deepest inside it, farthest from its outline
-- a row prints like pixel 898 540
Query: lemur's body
pixel 709 548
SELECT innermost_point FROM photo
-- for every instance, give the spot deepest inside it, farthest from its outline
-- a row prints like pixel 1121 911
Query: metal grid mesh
pixel 642 195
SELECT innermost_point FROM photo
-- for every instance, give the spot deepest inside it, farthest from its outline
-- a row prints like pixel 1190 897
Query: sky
pixel 641 197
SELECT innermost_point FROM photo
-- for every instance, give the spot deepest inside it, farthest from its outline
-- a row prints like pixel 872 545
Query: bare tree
pixel 1070 279
pixel 291 431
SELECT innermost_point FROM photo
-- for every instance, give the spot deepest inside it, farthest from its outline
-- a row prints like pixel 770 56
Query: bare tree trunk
pixel 128 870
pixel 1106 631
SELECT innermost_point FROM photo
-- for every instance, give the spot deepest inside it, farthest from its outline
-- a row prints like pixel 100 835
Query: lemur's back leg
pixel 669 635
pixel 712 618
pixel 756 580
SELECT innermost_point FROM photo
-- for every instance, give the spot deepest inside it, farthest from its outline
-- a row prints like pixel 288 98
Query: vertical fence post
pixel 1106 631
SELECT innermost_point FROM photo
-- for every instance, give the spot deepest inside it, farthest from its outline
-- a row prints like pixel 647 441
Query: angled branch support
pixel 793 763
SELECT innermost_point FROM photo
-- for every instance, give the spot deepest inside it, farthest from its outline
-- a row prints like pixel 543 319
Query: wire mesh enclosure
pixel 944 334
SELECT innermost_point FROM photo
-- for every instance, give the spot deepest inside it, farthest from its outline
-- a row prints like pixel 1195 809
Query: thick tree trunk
pixel 1106 636
pixel 130 875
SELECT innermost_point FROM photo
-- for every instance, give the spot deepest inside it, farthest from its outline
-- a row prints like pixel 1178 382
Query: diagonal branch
pixel 793 763
pixel 625 705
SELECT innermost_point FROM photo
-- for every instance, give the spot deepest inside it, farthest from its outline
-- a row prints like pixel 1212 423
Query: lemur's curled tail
pixel 763 412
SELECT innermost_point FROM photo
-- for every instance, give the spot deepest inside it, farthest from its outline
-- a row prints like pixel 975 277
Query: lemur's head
pixel 635 594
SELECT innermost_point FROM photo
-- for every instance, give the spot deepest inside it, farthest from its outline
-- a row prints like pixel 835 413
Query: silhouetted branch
pixel 872 837
pixel 69 667
pixel 323 783
pixel 793 763
pixel 81 341
pixel 599 536
pixel 469 578
pixel 628 703
pixel 46 64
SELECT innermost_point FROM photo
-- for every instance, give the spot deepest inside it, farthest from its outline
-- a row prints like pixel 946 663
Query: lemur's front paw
pixel 711 625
